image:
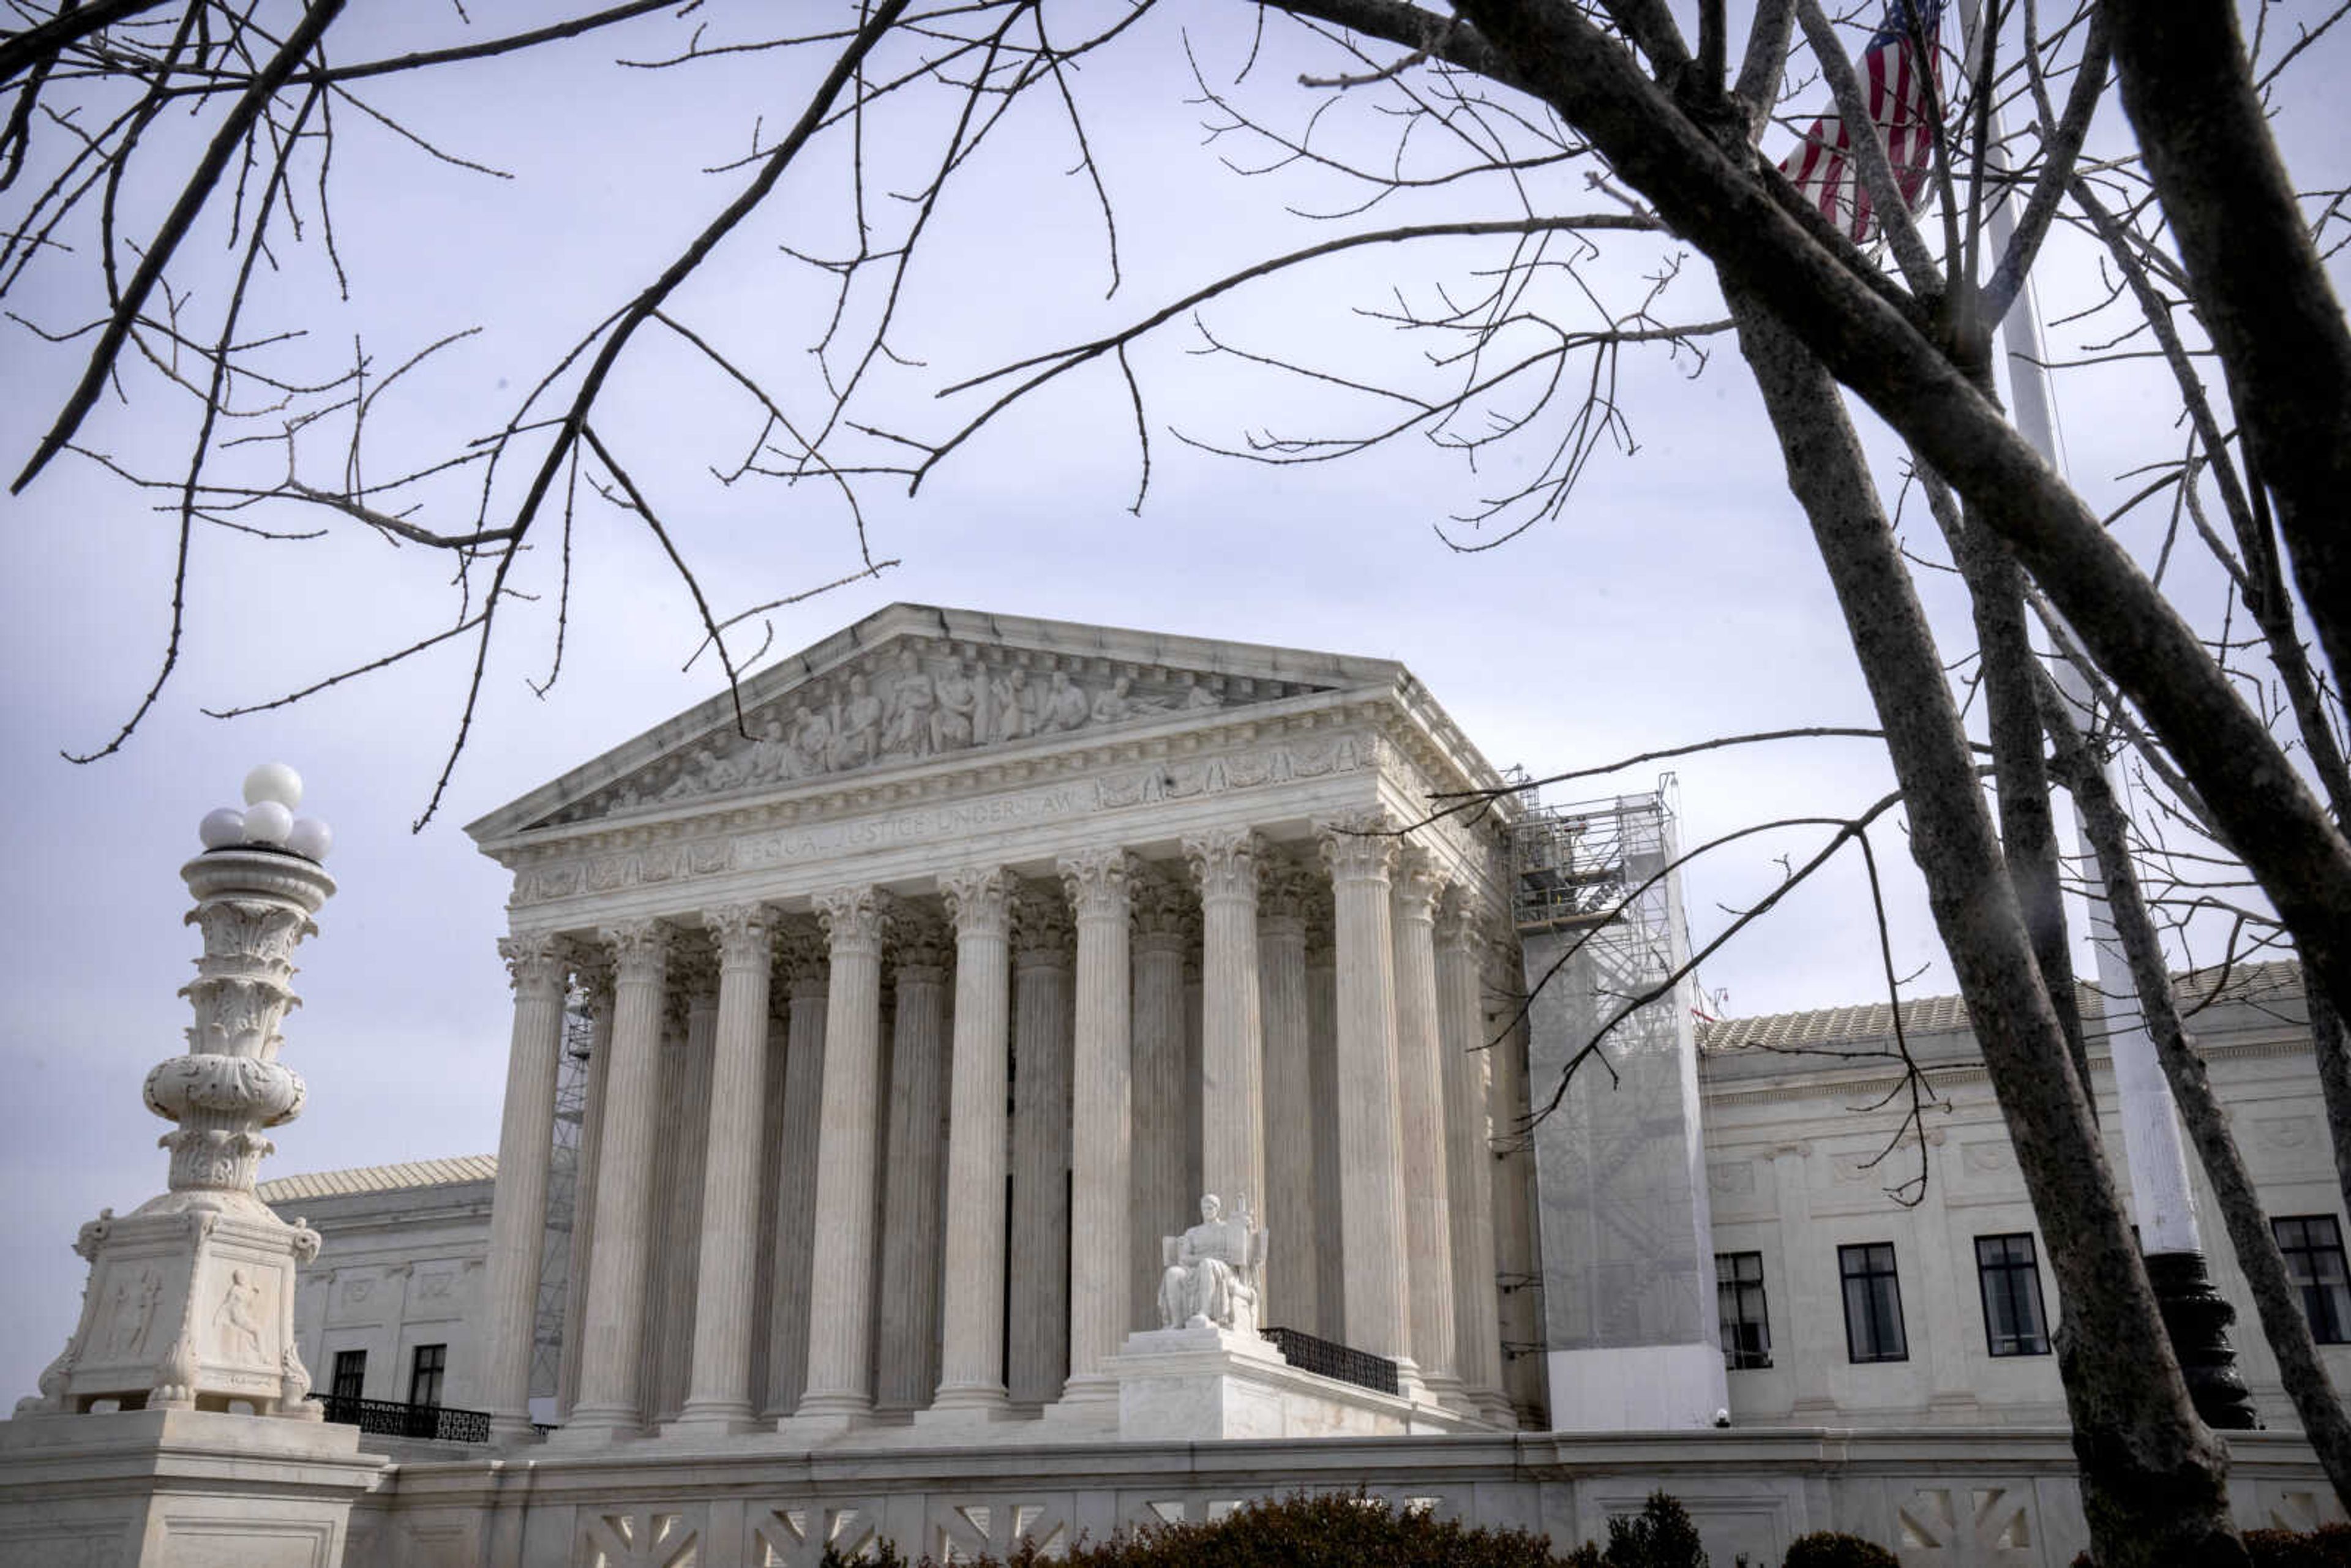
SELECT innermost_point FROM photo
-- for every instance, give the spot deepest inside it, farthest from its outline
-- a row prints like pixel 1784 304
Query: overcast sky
pixel 1677 599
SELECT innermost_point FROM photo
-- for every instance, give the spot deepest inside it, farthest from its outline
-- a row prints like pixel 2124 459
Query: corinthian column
pixel 1288 1210
pixel 796 1166
pixel 1323 1087
pixel 595 977
pixel 676 1251
pixel 909 1364
pixel 840 1273
pixel 1420 1073
pixel 1101 1274
pixel 971 1353
pixel 1159 1099
pixel 607 1408
pixel 1039 1254
pixel 1361 853
pixel 538 969
pixel 1469 1174
pixel 718 1395
pixel 1232 1032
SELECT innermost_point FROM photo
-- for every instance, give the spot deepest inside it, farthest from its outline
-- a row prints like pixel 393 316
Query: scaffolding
pixel 563 1188
pixel 1623 1233
pixel 1575 867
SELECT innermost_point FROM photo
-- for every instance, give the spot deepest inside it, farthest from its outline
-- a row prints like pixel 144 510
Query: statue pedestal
pixel 1199 1384
pixel 144 1488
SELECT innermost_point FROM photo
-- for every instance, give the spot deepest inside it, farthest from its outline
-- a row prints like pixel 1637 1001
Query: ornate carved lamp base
pixel 188 1308
pixel 2197 1320
pixel 190 1304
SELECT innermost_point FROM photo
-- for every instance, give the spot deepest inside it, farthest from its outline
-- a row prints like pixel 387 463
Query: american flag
pixel 1895 79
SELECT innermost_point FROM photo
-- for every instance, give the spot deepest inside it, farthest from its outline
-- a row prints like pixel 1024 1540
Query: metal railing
pixel 1327 1358
pixel 387 1418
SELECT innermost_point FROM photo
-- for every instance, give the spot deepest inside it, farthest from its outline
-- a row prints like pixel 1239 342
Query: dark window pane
pixel 2311 1246
pixel 1872 1303
pixel 2008 1275
pixel 426 1374
pixel 1739 1303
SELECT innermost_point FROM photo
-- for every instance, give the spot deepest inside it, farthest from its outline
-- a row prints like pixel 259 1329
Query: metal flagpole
pixel 2161 1198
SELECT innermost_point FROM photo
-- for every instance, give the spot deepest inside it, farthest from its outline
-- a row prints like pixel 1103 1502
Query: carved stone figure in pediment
pixel 1215 1270
pixel 955 724
pixel 914 703
pixel 857 732
pixel 770 758
pixel 1008 708
pixel 1065 705
pixel 811 744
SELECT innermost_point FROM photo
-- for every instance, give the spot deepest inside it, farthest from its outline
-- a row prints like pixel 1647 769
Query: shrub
pixel 1828 1549
pixel 1660 1536
pixel 1331 1530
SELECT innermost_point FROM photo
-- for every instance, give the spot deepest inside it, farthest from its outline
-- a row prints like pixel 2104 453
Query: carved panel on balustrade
pixel 796 1534
pixel 660 1536
pixel 1111 788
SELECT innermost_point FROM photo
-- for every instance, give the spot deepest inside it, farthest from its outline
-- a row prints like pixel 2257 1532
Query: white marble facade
pixel 933 988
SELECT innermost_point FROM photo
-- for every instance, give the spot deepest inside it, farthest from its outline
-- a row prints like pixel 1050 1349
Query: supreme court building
pixel 934 988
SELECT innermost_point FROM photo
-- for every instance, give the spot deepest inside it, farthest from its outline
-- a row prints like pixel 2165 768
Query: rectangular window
pixel 351 1374
pixel 1738 1305
pixel 424 1376
pixel 2312 1246
pixel 2007 1273
pixel 1872 1303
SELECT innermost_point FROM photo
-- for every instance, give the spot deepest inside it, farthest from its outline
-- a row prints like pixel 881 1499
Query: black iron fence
pixel 1327 1358
pixel 385 1418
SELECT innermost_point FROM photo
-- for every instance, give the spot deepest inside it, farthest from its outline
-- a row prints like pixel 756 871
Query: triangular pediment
pixel 913 685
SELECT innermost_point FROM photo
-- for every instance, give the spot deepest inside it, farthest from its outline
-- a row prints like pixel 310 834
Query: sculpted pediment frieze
pixel 912 702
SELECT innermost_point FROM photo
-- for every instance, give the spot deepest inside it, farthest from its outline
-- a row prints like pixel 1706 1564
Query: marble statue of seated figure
pixel 1215 1270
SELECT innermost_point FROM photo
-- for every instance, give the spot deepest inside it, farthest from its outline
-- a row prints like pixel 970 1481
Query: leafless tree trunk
pixel 2153 1482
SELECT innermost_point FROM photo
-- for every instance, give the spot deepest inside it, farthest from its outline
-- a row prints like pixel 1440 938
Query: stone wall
pixel 1940 1498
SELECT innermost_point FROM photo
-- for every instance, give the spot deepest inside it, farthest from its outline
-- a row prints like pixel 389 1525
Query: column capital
pixel 640 950
pixel 539 964
pixel 1359 847
pixel 979 901
pixel 1041 929
pixel 1460 923
pixel 855 919
pixel 1158 906
pixel 1416 883
pixel 1097 882
pixel 1224 863
pixel 921 944
pixel 1284 888
pixel 806 957
pixel 745 934
pixel 694 973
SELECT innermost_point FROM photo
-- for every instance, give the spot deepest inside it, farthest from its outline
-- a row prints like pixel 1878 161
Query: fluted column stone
pixel 1420 1073
pixel 1159 1137
pixel 1322 1085
pixel 596 979
pixel 696 979
pixel 841 1272
pixel 1291 1296
pixel 1470 1173
pixel 539 969
pixel 607 1408
pixel 1038 1256
pixel 1224 865
pixel 971 1353
pixel 1099 885
pixel 908 1368
pixel 718 1395
pixel 1361 855
pixel 807 978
